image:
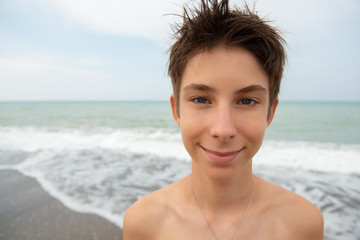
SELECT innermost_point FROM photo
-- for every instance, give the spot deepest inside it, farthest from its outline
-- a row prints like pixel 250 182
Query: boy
pixel 226 66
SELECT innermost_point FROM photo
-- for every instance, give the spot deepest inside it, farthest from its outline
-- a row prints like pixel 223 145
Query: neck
pixel 221 192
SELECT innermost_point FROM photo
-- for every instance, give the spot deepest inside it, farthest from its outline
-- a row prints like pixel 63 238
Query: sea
pixel 100 157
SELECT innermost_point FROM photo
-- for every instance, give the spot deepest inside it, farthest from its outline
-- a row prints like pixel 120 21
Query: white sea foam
pixel 145 140
pixel 70 202
pixel 104 182
pixel 325 157
pixel 66 177
pixel 328 157
pixel 105 170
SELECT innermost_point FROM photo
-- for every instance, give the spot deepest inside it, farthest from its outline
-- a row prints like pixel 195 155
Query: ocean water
pixel 100 157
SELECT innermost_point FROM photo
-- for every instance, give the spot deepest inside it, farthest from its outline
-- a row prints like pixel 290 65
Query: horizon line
pixel 159 100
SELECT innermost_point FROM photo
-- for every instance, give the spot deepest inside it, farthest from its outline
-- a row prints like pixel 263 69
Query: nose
pixel 223 125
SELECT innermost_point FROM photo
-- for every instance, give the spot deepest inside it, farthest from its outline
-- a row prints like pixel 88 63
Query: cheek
pixel 253 128
pixel 188 137
pixel 192 128
pixel 190 125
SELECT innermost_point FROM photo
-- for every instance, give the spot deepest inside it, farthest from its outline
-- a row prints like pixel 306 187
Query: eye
pixel 246 101
pixel 200 100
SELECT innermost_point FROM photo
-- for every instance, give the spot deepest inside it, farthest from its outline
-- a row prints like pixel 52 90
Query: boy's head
pixel 212 25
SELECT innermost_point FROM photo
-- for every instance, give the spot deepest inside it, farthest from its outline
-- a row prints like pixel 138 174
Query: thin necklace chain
pixel 241 218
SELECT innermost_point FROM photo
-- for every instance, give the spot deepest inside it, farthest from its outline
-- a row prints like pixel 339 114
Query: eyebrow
pixel 206 88
pixel 200 87
pixel 252 88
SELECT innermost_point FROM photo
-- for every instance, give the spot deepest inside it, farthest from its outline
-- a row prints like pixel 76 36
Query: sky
pixel 86 50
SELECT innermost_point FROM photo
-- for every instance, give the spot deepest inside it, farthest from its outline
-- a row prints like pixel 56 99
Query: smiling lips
pixel 221 157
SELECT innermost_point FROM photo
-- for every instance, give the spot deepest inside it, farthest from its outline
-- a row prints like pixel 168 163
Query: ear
pixel 272 112
pixel 174 110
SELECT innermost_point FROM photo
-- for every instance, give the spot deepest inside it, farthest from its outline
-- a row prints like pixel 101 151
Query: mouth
pixel 221 157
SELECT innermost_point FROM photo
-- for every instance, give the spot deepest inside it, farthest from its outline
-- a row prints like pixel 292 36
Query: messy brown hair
pixel 213 24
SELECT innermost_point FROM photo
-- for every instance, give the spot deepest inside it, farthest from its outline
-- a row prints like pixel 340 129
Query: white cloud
pixel 138 18
pixel 322 45
pixel 27 68
pixel 92 62
pixel 40 77
pixel 44 78
pixel 148 19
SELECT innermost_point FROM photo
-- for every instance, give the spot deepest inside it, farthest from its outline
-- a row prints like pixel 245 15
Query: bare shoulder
pixel 144 219
pixel 294 216
pixel 139 217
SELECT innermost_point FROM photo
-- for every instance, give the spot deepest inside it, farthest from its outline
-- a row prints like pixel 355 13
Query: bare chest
pixel 249 230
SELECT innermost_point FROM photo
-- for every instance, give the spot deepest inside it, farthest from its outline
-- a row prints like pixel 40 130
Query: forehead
pixel 229 67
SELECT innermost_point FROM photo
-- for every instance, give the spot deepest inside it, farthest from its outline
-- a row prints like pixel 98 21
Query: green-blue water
pixel 304 121
pixel 317 122
pixel 102 156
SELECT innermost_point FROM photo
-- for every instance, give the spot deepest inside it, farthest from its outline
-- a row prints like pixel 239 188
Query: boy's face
pixel 223 115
